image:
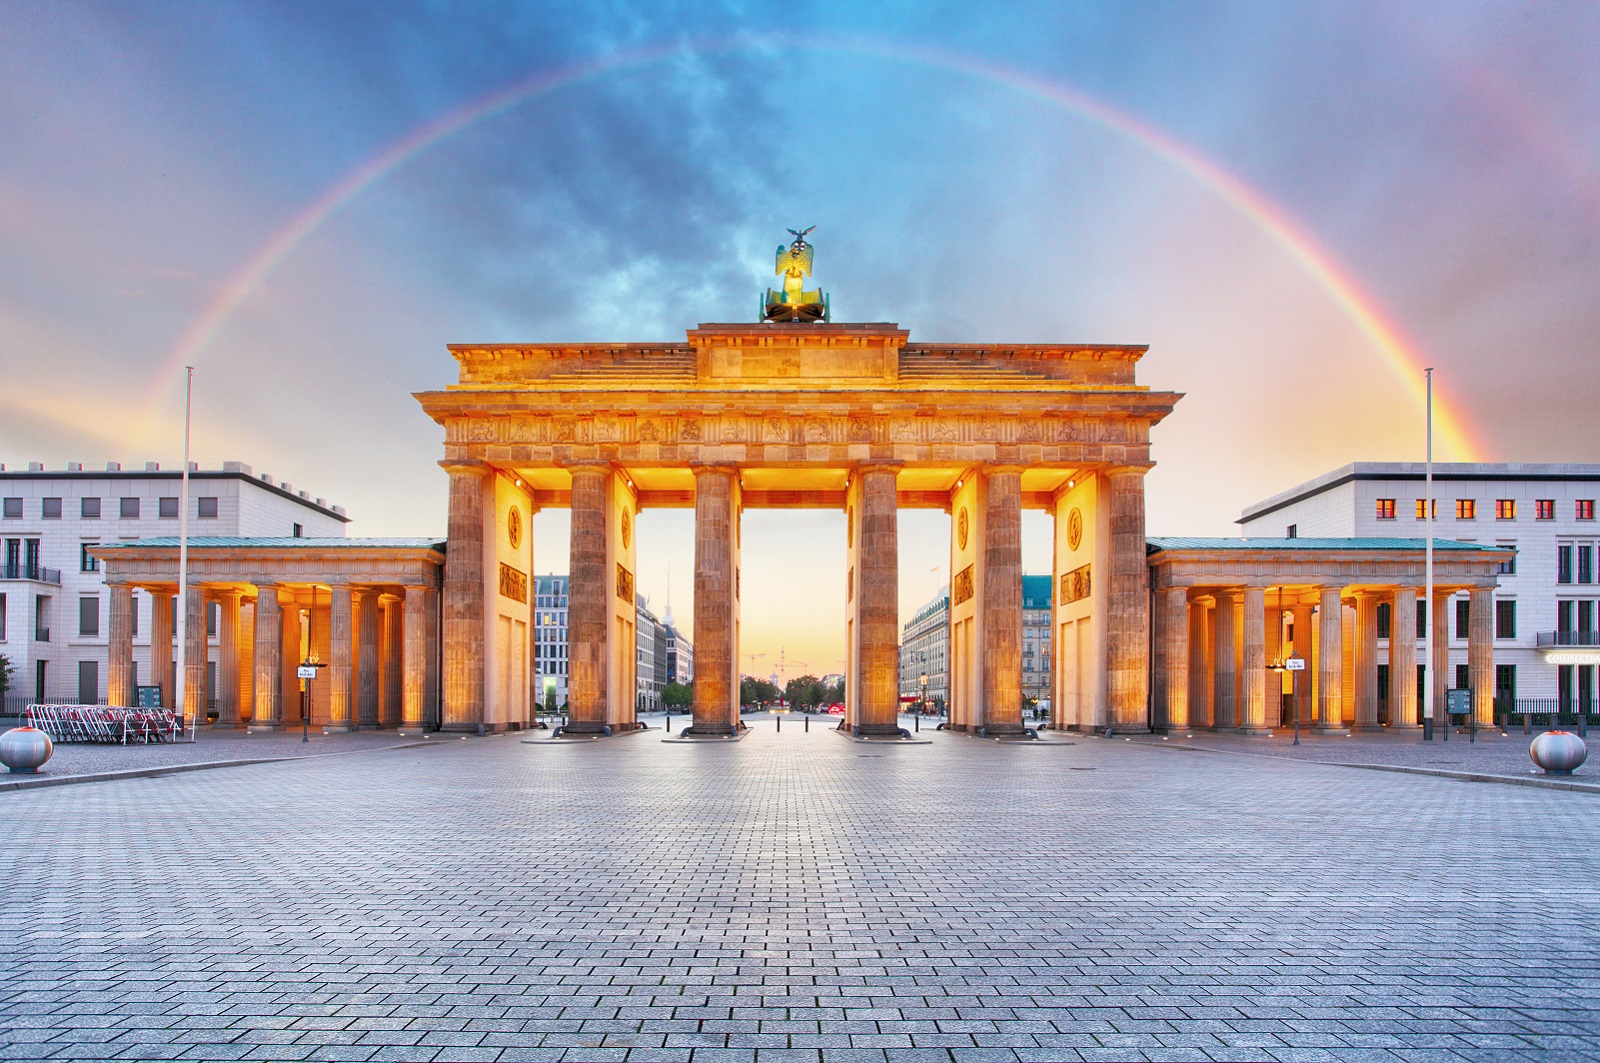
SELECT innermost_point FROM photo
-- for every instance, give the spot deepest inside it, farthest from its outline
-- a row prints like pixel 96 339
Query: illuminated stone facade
pixel 846 416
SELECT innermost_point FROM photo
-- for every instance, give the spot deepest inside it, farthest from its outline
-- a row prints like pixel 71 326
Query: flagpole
pixel 1428 678
pixel 183 566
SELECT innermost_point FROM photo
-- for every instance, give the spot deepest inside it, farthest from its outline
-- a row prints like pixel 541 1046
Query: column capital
pixel 727 468
pixel 878 465
pixel 463 466
pixel 1127 470
pixel 596 464
pixel 1003 469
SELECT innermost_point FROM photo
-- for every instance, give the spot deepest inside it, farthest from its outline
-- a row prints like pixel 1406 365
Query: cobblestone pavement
pixel 1491 754
pixel 798 897
pixel 80 758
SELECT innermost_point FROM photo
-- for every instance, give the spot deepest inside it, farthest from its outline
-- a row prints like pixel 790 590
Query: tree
pixel 677 695
pixel 805 691
pixel 833 695
pixel 753 691
pixel 5 675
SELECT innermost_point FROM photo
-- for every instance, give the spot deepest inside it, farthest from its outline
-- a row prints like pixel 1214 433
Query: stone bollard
pixel 1558 752
pixel 24 749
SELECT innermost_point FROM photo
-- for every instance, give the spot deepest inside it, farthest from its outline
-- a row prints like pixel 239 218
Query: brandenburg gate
pixel 799 413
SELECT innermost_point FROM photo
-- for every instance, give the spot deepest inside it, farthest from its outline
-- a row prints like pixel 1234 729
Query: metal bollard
pixel 780 722
pixel 669 723
pixel 917 723
pixel 808 723
pixel 1527 723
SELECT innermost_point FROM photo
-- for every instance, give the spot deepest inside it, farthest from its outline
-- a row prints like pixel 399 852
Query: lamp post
pixel 1428 678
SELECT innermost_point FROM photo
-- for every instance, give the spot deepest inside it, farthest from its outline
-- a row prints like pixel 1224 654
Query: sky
pixel 1296 206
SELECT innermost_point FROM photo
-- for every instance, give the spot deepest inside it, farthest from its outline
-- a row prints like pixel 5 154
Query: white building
pixel 925 647
pixel 678 651
pixel 53 601
pixel 1547 604
pixel 550 637
pixel 647 693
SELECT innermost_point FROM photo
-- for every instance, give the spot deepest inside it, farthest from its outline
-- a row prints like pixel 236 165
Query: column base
pixel 1339 729
pixel 1403 727
pixel 410 730
pixel 1368 727
pixel 225 725
pixel 338 729
pixel 462 728
pixel 689 734
pixel 1256 732
pixel 264 728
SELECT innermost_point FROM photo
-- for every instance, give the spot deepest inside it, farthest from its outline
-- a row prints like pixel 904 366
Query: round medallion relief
pixel 627 529
pixel 514 527
pixel 1074 528
pixel 961 529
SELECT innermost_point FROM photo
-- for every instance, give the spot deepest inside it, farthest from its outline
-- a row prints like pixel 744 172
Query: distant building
pixel 1547 606
pixel 924 652
pixel 54 604
pixel 647 683
pixel 678 651
pixel 550 637
pixel 1036 640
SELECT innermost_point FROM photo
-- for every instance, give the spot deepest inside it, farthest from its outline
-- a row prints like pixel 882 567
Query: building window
pixel 2 618
pixel 88 682
pixel 13 509
pixel 1422 621
pixel 1463 617
pixel 89 617
pixel 1463 677
pixel 1505 509
pixel 1422 508
pixel 1505 619
pixel 87 562
pixel 1508 567
pixel 208 507
pixel 1466 509
pixel 1586 563
pixel 213 614
pixel 299 531
pixel 1585 509
pixel 89 508
pixel 130 509
pixel 1505 682
pixel 51 509
pixel 1292 532
pixel 168 509
pixel 1564 563
pixel 1544 509
pixel 1386 509
pixel 1385 619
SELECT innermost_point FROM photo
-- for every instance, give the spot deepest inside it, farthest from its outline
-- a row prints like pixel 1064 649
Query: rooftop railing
pixel 1569 638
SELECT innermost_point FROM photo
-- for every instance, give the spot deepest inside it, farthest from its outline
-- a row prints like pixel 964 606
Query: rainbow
pixel 1402 355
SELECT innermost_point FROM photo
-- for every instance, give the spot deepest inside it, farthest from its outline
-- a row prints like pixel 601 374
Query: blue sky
pixel 1446 156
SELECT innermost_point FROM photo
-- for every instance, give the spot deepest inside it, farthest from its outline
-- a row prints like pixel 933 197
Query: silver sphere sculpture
pixel 23 749
pixel 1558 752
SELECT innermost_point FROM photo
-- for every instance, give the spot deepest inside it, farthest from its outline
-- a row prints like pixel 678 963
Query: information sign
pixel 307 671
pixel 1295 664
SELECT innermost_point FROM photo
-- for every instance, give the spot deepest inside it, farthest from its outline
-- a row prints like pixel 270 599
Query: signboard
pixel 1295 664
pixel 147 697
pixel 306 671
pixel 1458 701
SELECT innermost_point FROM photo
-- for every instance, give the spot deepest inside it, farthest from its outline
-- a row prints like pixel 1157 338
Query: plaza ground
pixel 799 896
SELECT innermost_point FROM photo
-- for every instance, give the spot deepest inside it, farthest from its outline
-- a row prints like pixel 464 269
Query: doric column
pixel 1330 662
pixel 119 673
pixel 290 657
pixel 1253 688
pixel 341 643
pixel 392 655
pixel 367 660
pixel 194 663
pixel 1002 602
pixel 1403 659
pixel 1439 652
pixel 1175 656
pixel 878 601
pixel 589 602
pixel 463 600
pixel 229 709
pixel 1480 654
pixel 161 645
pixel 268 661
pixel 1225 653
pixel 1273 625
pixel 715 692
pixel 413 713
pixel 1366 661
pixel 430 693
pixel 1128 602
pixel 1303 683
pixel 1199 657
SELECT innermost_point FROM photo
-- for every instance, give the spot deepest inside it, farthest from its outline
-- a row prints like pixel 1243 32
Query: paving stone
pixel 793 898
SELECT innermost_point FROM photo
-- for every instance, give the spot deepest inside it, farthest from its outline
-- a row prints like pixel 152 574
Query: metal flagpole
pixel 1427 583
pixel 183 566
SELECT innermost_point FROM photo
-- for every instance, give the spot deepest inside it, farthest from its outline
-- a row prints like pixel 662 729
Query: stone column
pixel 1480 654
pixel 589 602
pixel 430 693
pixel 1366 661
pixel 1273 625
pixel 1330 663
pixel 268 661
pixel 195 652
pixel 290 657
pixel 119 672
pixel 161 645
pixel 392 656
pixel 1253 689
pixel 1403 659
pixel 1439 651
pixel 1128 602
pixel 413 712
pixel 229 709
pixel 1225 656
pixel 463 600
pixel 1199 689
pixel 367 660
pixel 878 602
pixel 1303 684
pixel 1175 656
pixel 714 591
pixel 1002 602
pixel 341 643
